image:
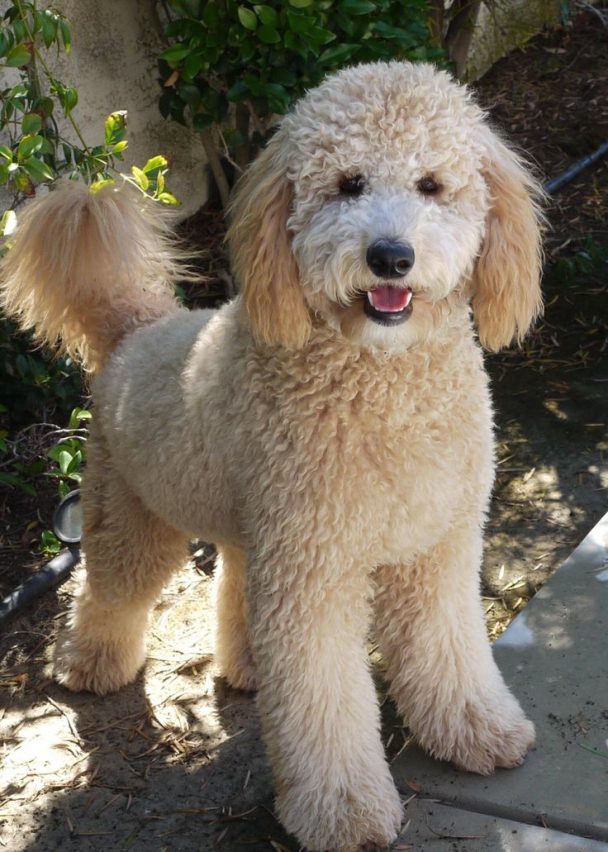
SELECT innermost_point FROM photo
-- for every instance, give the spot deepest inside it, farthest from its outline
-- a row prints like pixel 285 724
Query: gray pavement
pixel 554 655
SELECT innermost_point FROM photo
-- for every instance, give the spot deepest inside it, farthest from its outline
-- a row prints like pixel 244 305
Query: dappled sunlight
pixel 177 753
pixel 519 635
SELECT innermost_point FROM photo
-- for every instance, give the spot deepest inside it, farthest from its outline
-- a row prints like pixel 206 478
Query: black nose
pixel 390 259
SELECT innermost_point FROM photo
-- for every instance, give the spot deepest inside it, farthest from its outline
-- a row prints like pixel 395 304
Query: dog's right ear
pixel 261 255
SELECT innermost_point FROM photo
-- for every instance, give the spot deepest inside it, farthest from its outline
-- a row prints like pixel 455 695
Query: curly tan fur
pixel 507 297
pixel 86 268
pixel 342 464
pixel 261 254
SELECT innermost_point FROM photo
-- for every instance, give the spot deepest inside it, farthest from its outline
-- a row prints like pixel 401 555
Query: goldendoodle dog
pixel 330 430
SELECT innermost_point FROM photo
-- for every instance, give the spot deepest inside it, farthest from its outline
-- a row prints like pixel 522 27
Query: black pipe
pixel 53 573
pixel 576 168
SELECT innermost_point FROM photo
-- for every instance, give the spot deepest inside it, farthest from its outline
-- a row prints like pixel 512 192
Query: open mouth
pixel 388 305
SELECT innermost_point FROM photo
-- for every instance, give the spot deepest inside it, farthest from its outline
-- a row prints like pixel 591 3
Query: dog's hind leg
pixel 444 680
pixel 232 648
pixel 129 554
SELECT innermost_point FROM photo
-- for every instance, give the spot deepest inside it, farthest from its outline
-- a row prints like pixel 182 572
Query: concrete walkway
pixel 554 655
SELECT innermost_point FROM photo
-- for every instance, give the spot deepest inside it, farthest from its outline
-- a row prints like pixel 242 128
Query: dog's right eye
pixel 352 185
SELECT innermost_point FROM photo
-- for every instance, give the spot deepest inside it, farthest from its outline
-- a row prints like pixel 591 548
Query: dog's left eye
pixel 352 185
pixel 428 185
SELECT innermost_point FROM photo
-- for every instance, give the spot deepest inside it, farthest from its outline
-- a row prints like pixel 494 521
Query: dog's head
pixel 382 205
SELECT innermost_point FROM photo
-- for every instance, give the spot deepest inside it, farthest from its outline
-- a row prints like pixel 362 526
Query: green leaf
pixel 47 148
pixel 173 55
pixel 69 99
pixel 388 31
pixel 115 127
pixel 64 459
pixel 339 54
pixel 158 162
pixel 38 170
pixel 49 543
pixel 300 4
pixel 5 43
pixel 100 183
pixel 192 65
pixel 357 7
pixel 28 145
pixel 168 198
pixel 267 15
pixel 141 179
pixel 49 27
pixel 66 35
pixel 31 123
pixel 45 106
pixel 77 415
pixel 18 56
pixel 268 35
pixel 6 153
pixel 247 18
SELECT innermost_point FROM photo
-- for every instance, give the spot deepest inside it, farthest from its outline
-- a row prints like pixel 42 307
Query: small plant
pixel 233 65
pixel 69 453
pixel 34 151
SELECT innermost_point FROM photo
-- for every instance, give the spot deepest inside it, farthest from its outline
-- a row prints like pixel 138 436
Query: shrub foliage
pixel 232 66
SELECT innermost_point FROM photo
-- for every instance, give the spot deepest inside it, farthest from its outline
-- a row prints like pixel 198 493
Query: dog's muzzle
pixel 388 304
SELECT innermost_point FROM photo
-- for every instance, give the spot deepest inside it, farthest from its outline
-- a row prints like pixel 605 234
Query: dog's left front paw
pixel 485 736
pixel 496 746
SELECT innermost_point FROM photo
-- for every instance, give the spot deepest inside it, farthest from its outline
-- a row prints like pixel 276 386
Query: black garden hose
pixel 552 186
pixel 52 574
pixel 67 525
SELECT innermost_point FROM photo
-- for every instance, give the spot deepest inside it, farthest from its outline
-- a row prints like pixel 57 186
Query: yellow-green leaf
pixel 141 179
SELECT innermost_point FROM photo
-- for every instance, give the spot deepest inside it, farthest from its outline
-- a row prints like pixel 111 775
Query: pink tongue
pixel 390 298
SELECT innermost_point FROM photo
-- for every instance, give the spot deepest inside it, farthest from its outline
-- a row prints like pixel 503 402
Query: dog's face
pixel 382 204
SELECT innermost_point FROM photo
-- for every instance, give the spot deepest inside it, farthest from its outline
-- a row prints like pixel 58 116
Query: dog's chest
pixel 390 454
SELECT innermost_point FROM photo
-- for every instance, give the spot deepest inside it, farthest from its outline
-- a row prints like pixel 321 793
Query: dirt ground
pixel 174 761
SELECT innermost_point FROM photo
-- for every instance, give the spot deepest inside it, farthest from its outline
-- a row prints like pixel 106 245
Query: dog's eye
pixel 428 185
pixel 353 185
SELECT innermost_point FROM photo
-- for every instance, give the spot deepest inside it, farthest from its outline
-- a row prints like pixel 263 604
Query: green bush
pixel 33 149
pixel 233 66
pixel 38 390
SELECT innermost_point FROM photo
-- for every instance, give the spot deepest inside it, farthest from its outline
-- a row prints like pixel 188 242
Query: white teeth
pixel 409 298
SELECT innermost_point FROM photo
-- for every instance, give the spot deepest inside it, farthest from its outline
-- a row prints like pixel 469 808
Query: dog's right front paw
pixel 365 816
pixel 96 667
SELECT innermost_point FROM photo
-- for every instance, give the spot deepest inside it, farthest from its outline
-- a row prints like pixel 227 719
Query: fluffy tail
pixel 84 269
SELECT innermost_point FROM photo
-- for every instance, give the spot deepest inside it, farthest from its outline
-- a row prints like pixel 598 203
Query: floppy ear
pixel 506 280
pixel 260 249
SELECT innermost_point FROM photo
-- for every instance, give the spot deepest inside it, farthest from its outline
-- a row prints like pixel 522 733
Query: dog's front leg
pixel 316 697
pixel 443 676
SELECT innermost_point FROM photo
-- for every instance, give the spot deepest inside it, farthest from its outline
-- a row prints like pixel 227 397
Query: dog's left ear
pixel 506 280
pixel 261 254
